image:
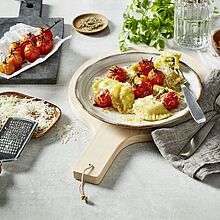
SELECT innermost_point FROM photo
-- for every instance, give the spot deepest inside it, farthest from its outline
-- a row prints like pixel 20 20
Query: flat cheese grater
pixel 14 135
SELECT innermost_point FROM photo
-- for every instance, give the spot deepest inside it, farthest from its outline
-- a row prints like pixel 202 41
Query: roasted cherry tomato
pixel 45 32
pixel 145 66
pixel 15 46
pixel 117 73
pixel 156 77
pixel 44 45
pixel 31 52
pixel 7 67
pixel 29 37
pixel 103 99
pixel 16 59
pixel 23 45
pixel 170 100
pixel 143 89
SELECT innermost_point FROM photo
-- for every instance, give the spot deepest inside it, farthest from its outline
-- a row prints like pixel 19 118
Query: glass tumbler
pixel 192 23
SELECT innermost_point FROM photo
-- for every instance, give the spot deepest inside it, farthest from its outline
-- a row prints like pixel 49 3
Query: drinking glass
pixel 192 23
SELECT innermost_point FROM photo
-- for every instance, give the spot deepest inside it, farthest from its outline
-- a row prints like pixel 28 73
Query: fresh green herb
pixel 148 22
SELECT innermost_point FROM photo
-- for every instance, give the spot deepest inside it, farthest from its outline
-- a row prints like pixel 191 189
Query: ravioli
pixel 168 60
pixel 160 89
pixel 133 68
pixel 122 97
pixel 150 109
pixel 121 93
pixel 103 84
pixel 173 79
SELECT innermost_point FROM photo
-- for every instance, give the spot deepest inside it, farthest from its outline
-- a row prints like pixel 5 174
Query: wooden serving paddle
pixel 108 139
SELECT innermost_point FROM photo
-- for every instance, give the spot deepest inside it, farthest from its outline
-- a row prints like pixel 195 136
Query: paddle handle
pixel 30 8
pixel 107 143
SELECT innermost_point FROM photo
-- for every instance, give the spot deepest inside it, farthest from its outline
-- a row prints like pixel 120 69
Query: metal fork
pixel 191 102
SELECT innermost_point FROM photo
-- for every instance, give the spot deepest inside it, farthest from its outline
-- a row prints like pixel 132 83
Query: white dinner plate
pixel 99 68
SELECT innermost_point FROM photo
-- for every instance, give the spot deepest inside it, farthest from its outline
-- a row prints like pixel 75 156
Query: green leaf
pixel 123 46
pixel 123 36
pixel 148 22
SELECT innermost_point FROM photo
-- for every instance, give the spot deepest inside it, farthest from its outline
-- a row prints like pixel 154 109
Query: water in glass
pixel 192 23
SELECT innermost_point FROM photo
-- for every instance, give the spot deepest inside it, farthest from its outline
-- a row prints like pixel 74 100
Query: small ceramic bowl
pixel 77 22
pixel 215 39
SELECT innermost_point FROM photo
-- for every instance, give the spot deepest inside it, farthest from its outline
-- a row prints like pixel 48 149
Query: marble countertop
pixel 139 185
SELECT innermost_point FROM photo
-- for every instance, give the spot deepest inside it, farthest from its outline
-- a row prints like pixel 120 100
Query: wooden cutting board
pixel 46 72
pixel 108 139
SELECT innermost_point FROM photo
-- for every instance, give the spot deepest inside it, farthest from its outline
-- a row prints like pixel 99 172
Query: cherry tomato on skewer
pixel 25 40
pixel 31 52
pixel 45 32
pixel 7 67
pixel 15 46
pixel 45 45
pixel 16 59
pixel 29 37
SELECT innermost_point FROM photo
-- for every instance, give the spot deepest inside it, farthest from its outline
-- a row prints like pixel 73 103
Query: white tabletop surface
pixel 139 185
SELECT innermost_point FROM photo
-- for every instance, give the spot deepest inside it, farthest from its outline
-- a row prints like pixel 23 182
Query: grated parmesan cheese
pixel 67 132
pixel 29 108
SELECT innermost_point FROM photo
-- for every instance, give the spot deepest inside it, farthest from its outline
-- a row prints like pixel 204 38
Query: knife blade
pixel 191 147
pixel 193 106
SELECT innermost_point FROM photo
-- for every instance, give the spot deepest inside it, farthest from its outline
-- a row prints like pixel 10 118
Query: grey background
pixel 139 185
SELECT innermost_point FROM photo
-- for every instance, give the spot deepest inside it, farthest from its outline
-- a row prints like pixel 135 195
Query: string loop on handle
pixel 81 186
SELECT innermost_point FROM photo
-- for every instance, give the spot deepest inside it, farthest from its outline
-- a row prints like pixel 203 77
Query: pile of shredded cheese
pixel 29 108
pixel 67 132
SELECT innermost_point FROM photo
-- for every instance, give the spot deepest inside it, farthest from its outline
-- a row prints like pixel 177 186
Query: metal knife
pixel 193 106
pixel 191 147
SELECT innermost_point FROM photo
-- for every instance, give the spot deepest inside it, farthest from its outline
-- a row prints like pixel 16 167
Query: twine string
pixel 81 186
